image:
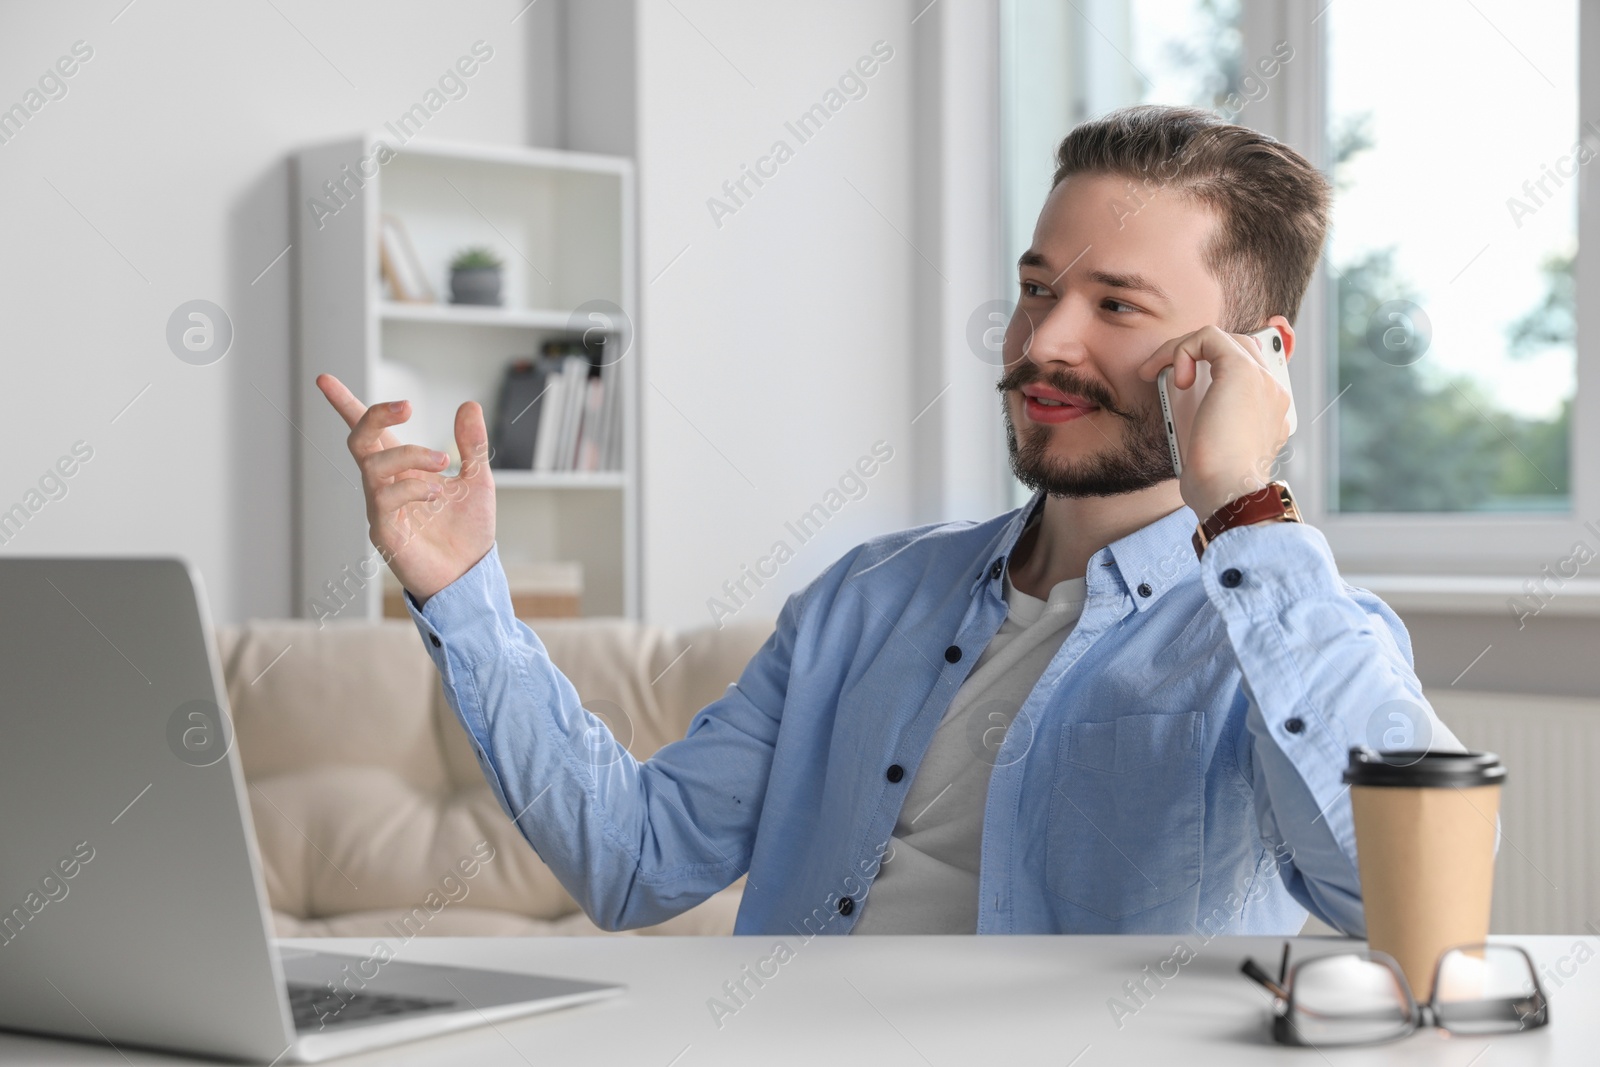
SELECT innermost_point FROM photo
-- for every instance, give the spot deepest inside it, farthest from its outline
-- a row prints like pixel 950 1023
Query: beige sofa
pixel 369 806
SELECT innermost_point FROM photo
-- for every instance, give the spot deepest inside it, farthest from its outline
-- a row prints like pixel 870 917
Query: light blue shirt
pixel 1176 769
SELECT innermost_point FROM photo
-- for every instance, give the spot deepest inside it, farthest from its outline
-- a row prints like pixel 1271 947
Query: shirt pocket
pixel 1126 813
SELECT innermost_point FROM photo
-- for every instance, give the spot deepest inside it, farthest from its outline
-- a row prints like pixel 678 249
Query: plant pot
pixel 475 285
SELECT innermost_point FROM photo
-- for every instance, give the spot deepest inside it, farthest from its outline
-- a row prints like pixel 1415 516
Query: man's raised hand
pixel 1241 423
pixel 429 528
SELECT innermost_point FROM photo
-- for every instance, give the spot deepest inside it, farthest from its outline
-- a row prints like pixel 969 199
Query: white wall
pixel 778 344
pixel 168 161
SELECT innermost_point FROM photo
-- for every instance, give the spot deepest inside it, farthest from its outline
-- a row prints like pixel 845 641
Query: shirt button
pixel 1295 725
pixel 895 772
pixel 999 565
pixel 435 639
pixel 1231 577
pixel 846 906
pixel 1144 589
pixel 952 654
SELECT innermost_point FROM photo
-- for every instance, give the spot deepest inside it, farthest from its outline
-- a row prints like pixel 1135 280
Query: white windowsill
pixel 1480 594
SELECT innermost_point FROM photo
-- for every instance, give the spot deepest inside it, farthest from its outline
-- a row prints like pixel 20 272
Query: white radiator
pixel 1547 873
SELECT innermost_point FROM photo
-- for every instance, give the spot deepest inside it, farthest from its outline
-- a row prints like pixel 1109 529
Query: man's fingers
pixel 388 499
pixel 1210 343
pixel 472 439
pixel 393 462
pixel 370 432
pixel 352 410
pixel 1183 366
pixel 1217 347
pixel 343 400
pixel 1173 353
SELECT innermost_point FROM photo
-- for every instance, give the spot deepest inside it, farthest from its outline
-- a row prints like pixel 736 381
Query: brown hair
pixel 1271 204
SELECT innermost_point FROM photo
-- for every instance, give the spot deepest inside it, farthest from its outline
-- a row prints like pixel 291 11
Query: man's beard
pixel 1139 460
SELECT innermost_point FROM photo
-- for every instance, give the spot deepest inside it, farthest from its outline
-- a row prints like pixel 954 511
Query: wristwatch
pixel 1271 501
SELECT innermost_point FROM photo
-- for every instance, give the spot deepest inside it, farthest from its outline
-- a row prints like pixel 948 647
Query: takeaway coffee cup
pixel 1425 835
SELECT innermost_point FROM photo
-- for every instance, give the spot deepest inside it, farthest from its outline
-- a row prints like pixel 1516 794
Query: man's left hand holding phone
pixel 1227 407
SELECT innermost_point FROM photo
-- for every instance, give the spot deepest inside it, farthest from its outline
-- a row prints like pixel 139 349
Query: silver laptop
pixel 131 901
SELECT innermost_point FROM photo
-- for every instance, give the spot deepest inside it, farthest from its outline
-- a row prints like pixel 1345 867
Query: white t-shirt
pixel 930 885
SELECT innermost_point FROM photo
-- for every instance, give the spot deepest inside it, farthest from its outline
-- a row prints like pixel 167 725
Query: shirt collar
pixel 1155 557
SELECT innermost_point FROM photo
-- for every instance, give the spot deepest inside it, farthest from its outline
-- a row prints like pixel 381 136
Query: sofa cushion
pixel 368 803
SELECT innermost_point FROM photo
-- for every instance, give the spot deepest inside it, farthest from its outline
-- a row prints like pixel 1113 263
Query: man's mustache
pixel 1026 373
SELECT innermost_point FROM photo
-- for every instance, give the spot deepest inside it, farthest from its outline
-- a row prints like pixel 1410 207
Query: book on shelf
pixel 550 403
pixel 516 428
pixel 588 457
pixel 575 375
pixel 610 387
pixel 613 460
pixel 560 410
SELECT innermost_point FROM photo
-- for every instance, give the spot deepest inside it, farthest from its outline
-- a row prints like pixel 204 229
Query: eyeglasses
pixel 1362 998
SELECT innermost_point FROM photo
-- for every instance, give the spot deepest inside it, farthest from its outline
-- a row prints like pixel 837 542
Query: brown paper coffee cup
pixel 1425 830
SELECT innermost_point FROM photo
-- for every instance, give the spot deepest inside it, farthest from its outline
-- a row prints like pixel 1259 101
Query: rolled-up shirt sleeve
pixel 635 842
pixel 1325 666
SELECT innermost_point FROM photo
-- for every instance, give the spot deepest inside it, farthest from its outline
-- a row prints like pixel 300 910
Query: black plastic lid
pixel 1423 769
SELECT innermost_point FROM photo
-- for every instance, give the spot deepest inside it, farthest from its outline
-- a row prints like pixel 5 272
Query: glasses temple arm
pixel 1252 970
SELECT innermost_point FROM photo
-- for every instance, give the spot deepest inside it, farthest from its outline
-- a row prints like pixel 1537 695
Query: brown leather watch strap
pixel 1271 501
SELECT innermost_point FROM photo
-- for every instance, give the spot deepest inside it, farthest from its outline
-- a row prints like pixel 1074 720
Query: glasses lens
pixel 1485 989
pixel 1349 999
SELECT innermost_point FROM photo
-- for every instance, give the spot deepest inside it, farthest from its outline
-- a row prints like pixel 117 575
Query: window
pixel 1453 247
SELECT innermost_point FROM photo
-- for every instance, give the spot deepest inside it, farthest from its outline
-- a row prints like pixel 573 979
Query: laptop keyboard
pixel 316 1006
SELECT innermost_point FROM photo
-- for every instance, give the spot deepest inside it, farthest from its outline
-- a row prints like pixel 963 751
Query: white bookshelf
pixel 563 224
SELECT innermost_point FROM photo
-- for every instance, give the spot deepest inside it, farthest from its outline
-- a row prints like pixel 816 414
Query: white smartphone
pixel 1179 405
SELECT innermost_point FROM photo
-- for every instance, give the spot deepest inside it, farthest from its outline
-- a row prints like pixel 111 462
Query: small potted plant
pixel 475 276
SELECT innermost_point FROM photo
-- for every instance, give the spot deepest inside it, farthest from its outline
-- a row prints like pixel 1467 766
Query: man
pixel 1075 717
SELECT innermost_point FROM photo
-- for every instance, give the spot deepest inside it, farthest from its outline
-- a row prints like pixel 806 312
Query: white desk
pixel 914 1000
